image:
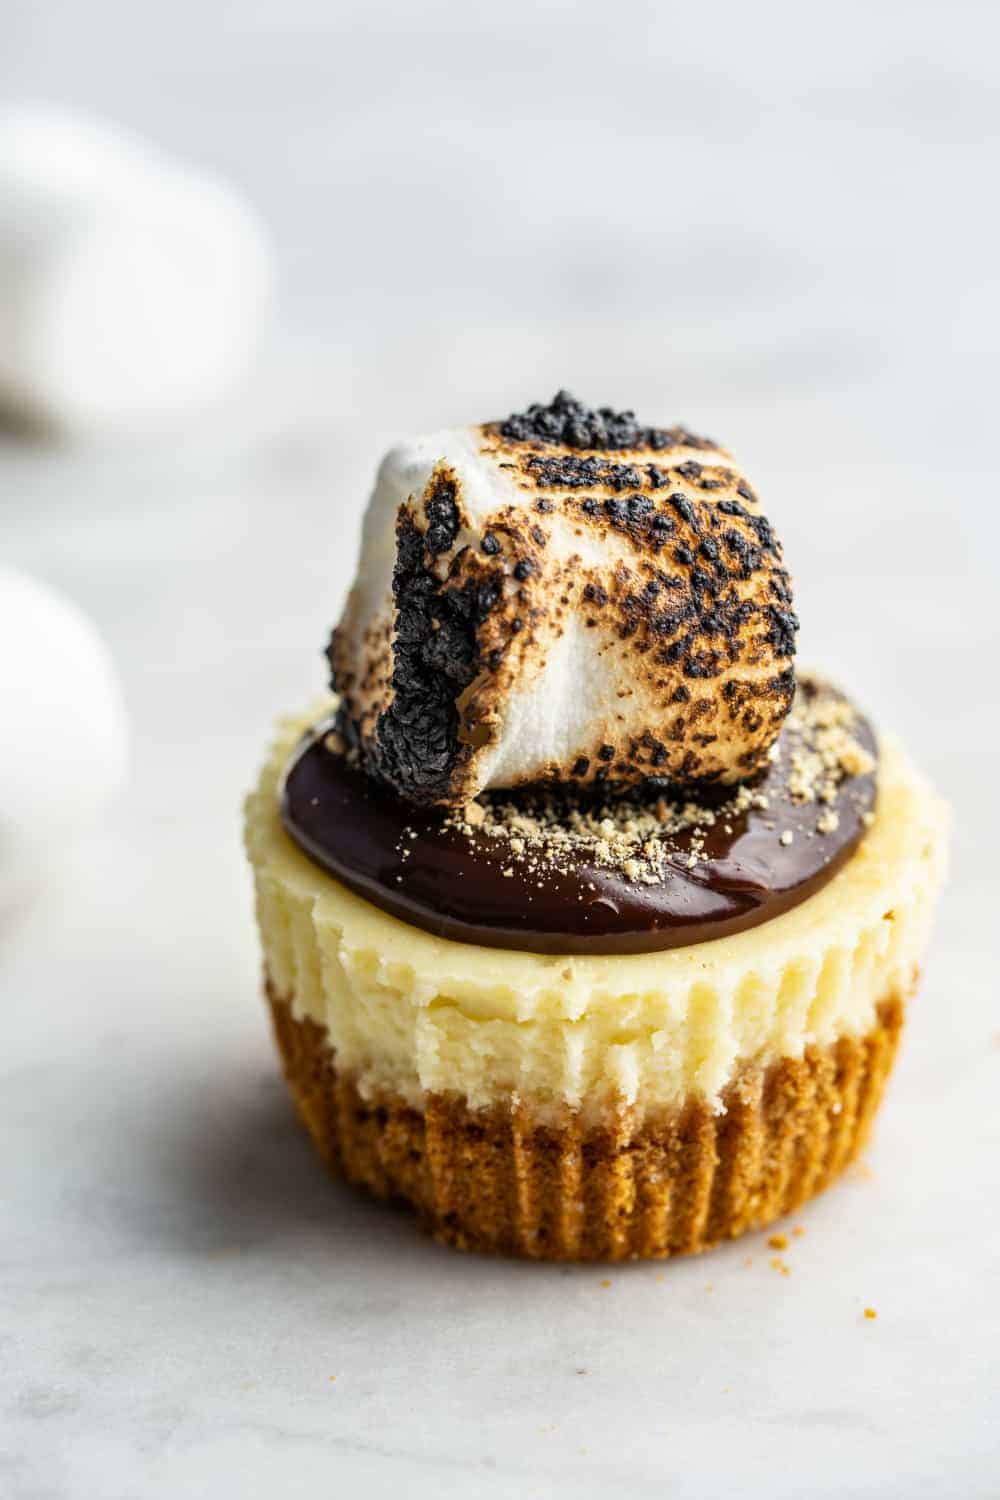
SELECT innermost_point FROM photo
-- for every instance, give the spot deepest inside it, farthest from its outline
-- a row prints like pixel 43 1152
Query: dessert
pixel 587 929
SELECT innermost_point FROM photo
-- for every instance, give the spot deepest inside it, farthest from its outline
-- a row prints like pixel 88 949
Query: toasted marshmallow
pixel 563 597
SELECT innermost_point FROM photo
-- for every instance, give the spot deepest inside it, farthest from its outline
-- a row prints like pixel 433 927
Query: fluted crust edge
pixel 504 1180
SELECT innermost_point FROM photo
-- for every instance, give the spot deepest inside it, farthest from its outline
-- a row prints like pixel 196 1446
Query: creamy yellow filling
pixel 412 1013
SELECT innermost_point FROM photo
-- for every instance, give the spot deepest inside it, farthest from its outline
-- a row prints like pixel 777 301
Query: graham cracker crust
pixel 499 1181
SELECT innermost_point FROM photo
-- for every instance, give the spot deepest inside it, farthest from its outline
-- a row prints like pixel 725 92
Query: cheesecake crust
pixel 503 1180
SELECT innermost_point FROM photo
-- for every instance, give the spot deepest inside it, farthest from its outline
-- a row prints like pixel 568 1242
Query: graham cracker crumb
pixel 870 1312
pixel 827 750
pixel 778 1242
pixel 855 760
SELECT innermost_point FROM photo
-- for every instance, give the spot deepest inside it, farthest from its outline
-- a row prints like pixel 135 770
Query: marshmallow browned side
pixel 537 602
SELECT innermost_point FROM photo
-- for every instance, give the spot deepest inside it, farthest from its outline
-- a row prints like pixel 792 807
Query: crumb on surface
pixel 778 1242
pixel 870 1312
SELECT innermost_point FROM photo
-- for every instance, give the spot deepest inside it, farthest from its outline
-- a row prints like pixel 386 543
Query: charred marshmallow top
pixel 563 597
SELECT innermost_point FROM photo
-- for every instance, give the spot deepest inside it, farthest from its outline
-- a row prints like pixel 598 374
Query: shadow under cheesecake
pixel 240 1176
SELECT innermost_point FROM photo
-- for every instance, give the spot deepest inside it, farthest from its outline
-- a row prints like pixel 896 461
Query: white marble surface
pixel 774 223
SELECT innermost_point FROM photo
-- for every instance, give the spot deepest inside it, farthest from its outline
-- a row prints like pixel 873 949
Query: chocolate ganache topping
pixel 625 870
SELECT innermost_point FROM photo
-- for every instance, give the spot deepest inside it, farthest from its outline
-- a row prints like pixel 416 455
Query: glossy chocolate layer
pixel 465 886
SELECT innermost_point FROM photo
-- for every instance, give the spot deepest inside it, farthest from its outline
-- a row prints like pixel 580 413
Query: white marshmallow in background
pixel 63 732
pixel 132 288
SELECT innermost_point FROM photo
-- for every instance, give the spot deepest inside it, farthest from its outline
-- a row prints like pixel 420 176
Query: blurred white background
pixel 775 222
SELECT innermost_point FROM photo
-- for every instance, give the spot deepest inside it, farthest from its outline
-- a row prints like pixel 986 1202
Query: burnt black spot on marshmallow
pixel 569 423
pixel 570 472
pixel 784 625
pixel 416 743
pixel 441 510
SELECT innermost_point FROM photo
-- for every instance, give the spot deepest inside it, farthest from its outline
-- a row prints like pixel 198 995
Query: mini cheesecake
pixel 606 1016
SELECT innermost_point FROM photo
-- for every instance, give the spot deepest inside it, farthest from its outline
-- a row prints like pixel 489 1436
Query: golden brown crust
pixel 500 1181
